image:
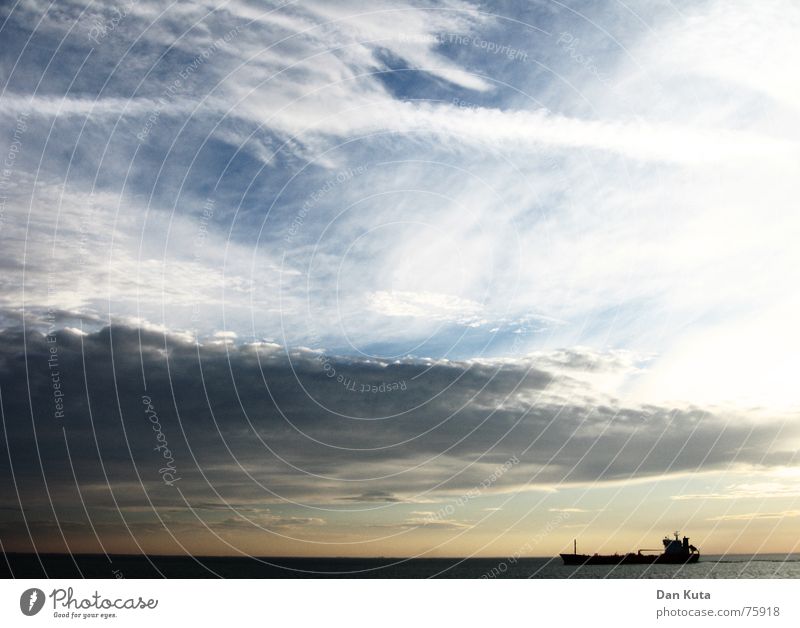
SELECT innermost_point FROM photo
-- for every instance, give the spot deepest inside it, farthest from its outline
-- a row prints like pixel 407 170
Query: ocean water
pixel 100 566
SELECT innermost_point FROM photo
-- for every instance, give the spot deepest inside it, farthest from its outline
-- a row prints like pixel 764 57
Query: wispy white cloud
pixel 661 227
pixel 753 516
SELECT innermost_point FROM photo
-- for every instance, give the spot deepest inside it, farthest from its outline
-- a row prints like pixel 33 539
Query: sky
pixel 398 279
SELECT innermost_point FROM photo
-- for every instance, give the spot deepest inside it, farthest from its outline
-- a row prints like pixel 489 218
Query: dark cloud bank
pixel 125 423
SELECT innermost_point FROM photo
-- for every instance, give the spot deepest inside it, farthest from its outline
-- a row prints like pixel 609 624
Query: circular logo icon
pixel 31 601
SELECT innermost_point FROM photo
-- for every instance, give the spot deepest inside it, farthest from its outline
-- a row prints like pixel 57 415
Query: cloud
pixel 751 516
pixel 463 201
pixel 769 484
pixel 426 305
pixel 426 523
pixel 244 428
pixel 372 496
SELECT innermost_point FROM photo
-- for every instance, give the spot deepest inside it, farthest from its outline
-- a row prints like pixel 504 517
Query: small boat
pixel 676 552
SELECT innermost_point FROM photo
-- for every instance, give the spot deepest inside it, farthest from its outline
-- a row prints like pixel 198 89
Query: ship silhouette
pixel 676 552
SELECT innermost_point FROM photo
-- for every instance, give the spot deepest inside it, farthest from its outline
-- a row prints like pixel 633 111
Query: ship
pixel 676 552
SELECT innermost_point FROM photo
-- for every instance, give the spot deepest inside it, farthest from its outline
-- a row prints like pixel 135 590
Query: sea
pixel 140 566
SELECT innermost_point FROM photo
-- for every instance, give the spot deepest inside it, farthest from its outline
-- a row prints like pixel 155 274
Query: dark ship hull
pixel 628 559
